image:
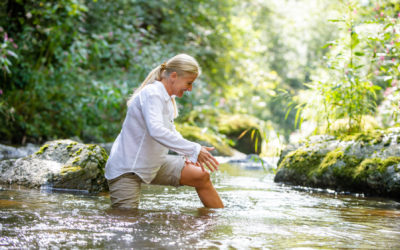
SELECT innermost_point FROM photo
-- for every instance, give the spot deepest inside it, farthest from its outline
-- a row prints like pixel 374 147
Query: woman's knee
pixel 193 176
pixel 203 179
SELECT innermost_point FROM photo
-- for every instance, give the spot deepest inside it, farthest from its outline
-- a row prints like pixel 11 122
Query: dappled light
pixel 299 100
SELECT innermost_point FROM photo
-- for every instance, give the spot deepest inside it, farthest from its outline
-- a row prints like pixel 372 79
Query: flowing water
pixel 259 214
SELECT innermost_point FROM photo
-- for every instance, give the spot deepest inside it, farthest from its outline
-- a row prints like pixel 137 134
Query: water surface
pixel 259 214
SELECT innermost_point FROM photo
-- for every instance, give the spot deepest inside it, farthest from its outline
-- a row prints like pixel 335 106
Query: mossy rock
pixel 203 117
pixel 244 130
pixel 62 164
pixel 205 137
pixel 366 162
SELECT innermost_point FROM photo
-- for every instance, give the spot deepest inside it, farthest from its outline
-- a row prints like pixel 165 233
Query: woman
pixel 140 152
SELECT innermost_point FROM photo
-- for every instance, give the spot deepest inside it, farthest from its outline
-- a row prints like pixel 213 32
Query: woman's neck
pixel 167 86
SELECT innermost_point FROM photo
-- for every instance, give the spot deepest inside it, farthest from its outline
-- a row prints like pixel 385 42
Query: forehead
pixel 189 78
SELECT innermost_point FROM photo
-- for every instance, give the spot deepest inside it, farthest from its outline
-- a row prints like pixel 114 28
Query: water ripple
pixel 258 214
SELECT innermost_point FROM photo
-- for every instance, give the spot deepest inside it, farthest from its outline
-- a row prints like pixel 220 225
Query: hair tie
pixel 163 66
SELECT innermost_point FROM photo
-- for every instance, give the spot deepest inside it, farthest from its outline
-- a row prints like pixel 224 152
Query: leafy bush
pixel 68 66
pixel 360 63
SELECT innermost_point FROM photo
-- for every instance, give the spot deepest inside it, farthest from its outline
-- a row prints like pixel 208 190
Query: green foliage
pixel 69 66
pixel 282 46
pixel 360 63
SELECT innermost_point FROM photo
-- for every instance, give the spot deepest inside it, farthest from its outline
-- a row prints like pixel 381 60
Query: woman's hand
pixel 205 158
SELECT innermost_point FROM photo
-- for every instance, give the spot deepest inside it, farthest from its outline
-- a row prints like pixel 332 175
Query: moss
pixel 71 145
pixel 373 166
pixel 374 137
pixel 104 154
pixel 329 160
pixel 340 171
pixel 68 169
pixel 198 134
pixel 42 149
pixel 387 143
pixel 341 165
pixel 203 117
pixel 370 165
pixel 78 152
pixel 92 147
pixel 302 162
pixel 332 157
pixel 393 160
pixel 378 140
pixel 236 123
pixel 244 130
pixel 225 129
pixel 76 160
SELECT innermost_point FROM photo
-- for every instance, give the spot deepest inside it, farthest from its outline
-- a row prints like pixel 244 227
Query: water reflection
pixel 143 228
pixel 258 214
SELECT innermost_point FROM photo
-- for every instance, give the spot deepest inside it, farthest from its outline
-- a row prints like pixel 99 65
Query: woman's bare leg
pixel 193 176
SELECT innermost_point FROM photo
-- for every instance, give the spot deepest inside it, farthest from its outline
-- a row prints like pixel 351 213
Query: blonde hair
pixel 182 64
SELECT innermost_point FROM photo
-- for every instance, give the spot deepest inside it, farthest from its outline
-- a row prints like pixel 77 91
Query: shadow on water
pixel 259 214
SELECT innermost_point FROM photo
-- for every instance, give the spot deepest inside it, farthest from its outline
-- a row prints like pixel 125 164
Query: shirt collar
pixel 164 91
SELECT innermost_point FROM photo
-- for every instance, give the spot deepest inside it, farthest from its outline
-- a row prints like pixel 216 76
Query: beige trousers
pixel 125 189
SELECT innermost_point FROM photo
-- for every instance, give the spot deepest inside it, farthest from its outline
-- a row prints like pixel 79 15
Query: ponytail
pixel 154 75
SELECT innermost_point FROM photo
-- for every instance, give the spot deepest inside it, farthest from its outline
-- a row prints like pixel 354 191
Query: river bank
pixel 368 163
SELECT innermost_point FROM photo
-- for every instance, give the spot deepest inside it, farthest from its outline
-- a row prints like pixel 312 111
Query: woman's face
pixel 182 83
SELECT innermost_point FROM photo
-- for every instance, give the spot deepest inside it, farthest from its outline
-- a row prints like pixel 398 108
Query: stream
pixel 259 214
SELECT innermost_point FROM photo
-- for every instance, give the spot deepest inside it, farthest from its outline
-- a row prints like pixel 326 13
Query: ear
pixel 173 76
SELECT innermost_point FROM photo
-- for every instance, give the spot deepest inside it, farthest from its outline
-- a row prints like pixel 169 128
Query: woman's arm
pixel 152 106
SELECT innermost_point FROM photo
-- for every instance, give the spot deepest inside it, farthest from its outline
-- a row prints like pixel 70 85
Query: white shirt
pixel 146 135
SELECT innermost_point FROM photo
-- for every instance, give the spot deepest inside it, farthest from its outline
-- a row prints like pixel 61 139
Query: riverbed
pixel 259 214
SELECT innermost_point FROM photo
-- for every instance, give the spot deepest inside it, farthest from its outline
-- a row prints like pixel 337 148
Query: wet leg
pixel 193 176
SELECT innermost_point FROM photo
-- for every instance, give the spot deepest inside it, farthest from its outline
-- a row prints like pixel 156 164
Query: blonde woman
pixel 140 152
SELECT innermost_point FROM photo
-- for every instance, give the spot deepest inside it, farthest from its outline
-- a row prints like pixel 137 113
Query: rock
pixel 205 137
pixel 64 164
pixel 240 131
pixel 367 163
pixel 9 152
pixel 107 146
pixel 244 130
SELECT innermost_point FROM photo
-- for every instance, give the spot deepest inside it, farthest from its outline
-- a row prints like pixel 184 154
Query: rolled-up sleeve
pixel 152 106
